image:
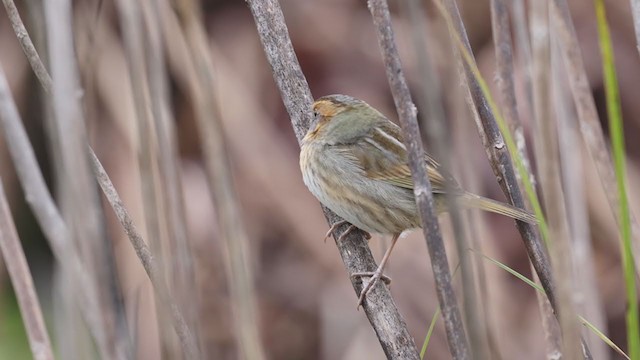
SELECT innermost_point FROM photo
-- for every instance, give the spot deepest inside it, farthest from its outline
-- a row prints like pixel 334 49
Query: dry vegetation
pixel 180 106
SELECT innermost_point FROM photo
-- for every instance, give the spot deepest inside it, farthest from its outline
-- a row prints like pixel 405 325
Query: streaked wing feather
pixel 383 156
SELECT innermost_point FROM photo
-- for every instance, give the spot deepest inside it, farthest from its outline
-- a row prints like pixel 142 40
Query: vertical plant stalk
pixel 537 27
pixel 438 136
pixel 505 80
pixel 219 175
pixel 488 113
pixel 48 216
pixel 78 192
pixel 586 293
pixel 614 113
pixel 180 262
pixel 422 187
pixel 46 212
pixel 147 109
pixel 380 308
pixel 505 70
pixel 590 127
pixel 27 46
pixel 549 168
pixel 22 282
pixel 498 155
pixel 635 12
pixel 187 339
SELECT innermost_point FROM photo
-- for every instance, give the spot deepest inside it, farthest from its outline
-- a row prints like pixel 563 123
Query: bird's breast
pixel 341 185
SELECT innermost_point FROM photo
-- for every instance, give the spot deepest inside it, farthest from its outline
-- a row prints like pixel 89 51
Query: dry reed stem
pixel 50 220
pixel 78 191
pixel 148 109
pixel 407 115
pixel 500 160
pixel 46 212
pixel 437 135
pixel 379 307
pixel 214 149
pixel 187 339
pixel 585 290
pixel 635 12
pixel 538 67
pixel 590 127
pixel 22 282
pixel 27 44
pixel 549 168
pixel 179 260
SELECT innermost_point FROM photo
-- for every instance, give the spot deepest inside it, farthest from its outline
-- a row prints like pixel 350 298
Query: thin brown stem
pixel 22 282
pixel 48 216
pixel 590 127
pixel 187 340
pixel 380 308
pixel 500 159
pixel 78 192
pixel 45 210
pixel 422 186
pixel 27 45
pixel 219 175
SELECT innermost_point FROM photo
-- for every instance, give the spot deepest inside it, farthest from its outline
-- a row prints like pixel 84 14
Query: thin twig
pixel 438 137
pixel 22 282
pixel 587 113
pixel 585 289
pixel 189 345
pixel 50 220
pixel 501 161
pixel 45 211
pixel 635 12
pixel 538 62
pixel 78 192
pixel 27 45
pixel 422 186
pixel 379 307
pixel 219 175
pixel 548 164
pixel 180 266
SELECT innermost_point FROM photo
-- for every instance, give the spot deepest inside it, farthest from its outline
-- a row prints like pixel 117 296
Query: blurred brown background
pixel 307 308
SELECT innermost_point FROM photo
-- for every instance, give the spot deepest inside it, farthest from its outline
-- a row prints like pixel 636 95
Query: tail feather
pixel 479 202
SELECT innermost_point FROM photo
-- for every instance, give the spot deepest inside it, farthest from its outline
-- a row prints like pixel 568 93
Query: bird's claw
pixel 374 277
pixel 345 233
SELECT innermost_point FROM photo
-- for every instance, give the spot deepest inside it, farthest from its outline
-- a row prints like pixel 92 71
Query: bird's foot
pixel 374 276
pixel 345 233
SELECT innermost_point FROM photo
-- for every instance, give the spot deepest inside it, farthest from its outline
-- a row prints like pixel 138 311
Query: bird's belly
pixel 371 205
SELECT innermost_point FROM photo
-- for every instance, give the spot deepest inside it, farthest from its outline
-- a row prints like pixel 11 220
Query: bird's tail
pixel 479 202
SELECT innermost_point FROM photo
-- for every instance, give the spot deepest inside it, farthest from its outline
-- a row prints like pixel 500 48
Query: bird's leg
pixel 376 275
pixel 345 233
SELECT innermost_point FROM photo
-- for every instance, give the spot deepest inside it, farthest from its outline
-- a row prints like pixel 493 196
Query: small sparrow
pixel 354 161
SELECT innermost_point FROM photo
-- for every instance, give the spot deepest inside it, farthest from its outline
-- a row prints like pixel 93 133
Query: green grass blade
pixel 602 336
pixel 528 281
pixel 614 113
pixel 427 338
pixel 502 125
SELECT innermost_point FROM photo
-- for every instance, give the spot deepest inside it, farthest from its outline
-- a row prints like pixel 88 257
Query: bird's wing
pixel 382 156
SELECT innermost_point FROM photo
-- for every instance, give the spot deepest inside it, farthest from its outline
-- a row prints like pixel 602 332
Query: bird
pixel 354 161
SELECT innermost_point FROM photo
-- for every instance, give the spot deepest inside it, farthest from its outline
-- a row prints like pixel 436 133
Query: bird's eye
pixel 315 114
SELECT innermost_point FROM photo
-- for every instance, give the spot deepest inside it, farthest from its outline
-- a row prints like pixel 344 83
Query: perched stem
pixel 380 308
